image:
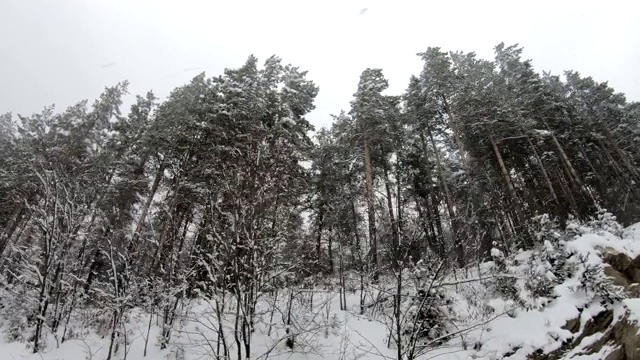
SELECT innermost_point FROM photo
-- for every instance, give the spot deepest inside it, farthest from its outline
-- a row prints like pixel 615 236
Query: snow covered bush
pixel 427 311
pixel 15 317
pixel 503 283
pixel 595 283
pixel 555 262
pixel 554 251
pixel 606 222
pixel 584 259
pixel 427 315
pixel 602 222
pixel 547 265
pixel 540 282
pixel 19 294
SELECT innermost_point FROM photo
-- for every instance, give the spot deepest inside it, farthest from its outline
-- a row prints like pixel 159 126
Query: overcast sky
pixel 62 51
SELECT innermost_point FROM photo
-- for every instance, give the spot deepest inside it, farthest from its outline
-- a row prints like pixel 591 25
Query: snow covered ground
pixel 323 332
pixel 483 325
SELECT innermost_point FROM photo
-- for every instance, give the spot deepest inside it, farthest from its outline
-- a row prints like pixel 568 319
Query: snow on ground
pixel 484 326
pixel 340 335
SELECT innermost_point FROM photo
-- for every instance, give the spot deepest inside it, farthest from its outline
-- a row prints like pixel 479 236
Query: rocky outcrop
pixel 620 333
pixel 624 271
pixel 625 336
pixel 600 323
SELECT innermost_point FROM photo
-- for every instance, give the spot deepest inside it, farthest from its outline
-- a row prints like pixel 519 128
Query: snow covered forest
pixel 486 213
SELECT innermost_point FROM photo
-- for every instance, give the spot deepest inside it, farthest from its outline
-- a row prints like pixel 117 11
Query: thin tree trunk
pixel 330 249
pixel 510 188
pixel 5 236
pixel 567 191
pixel 43 298
pixel 319 239
pixel 571 169
pixel 621 154
pixel 291 338
pixel 398 315
pixel 24 227
pixel 273 310
pixel 362 294
pixel 355 229
pixel 113 334
pixel 394 224
pixel 370 207
pixel 433 243
pixel 236 332
pixel 612 161
pixel 505 173
pixel 457 242
pixel 456 135
pixel 545 175
pixel 166 228
pixel 399 203
pixel 343 296
pixel 434 210
pixel 147 205
pixel 432 205
pixel 146 339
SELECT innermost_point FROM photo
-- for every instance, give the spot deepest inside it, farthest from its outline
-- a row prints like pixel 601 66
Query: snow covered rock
pixel 623 270
pixel 610 332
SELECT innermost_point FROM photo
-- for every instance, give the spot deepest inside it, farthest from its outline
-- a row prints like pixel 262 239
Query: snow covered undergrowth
pixel 525 305
pixel 553 287
pixel 320 329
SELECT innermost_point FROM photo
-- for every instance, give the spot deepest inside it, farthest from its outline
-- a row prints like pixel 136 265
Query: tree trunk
pixel 175 253
pixel 457 242
pixel 621 154
pixel 167 226
pixel 570 168
pixel 147 204
pixel 343 290
pixel 426 220
pixel 505 173
pixel 434 210
pixel 394 225
pixel 370 207
pixel 574 179
pixel 545 175
pixel 46 257
pixel 5 236
pixel 358 249
pixel 512 192
pixel 456 135
pixel 319 239
pixel 399 203
pixel 398 314
pixel 610 159
pixel 562 176
pixel 330 249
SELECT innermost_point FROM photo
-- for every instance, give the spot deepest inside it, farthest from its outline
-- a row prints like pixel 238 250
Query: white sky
pixel 62 51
